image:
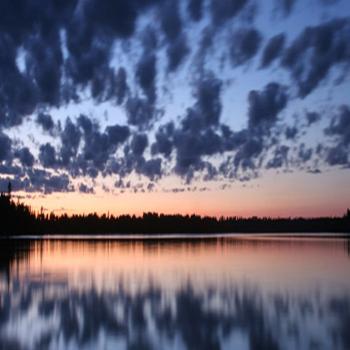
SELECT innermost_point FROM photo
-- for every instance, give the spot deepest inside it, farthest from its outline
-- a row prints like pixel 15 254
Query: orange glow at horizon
pixel 234 257
pixel 277 195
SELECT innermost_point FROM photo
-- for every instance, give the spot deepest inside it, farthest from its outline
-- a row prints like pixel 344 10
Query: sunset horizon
pixel 174 174
pixel 219 108
pixel 240 200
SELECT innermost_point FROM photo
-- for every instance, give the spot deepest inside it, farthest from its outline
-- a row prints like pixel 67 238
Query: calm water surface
pixel 229 292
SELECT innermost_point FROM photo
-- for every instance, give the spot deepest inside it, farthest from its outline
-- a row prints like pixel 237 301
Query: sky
pixel 214 107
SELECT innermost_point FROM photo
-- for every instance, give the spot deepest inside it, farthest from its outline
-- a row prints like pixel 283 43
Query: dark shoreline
pixel 174 236
pixel 17 219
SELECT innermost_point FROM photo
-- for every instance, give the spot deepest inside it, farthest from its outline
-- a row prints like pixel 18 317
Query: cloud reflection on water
pixel 47 311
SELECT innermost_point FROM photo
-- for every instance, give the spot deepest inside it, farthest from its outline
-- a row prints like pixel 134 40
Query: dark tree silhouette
pixel 16 218
pixel 347 215
pixel 9 189
pixel 19 219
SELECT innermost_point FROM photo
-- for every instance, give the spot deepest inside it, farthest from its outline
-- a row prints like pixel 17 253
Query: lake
pixel 177 292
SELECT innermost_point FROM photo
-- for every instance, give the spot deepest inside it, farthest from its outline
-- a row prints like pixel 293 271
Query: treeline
pixel 18 219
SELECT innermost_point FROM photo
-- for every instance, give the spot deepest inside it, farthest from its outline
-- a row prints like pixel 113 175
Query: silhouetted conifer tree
pixel 9 189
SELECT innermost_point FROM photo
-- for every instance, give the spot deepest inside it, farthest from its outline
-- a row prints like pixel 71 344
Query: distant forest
pixel 18 219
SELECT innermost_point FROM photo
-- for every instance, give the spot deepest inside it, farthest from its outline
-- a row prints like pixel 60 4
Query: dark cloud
pixel 175 39
pixel 5 147
pixel 11 169
pixel 315 52
pixel 121 85
pixel 339 130
pixel 340 126
pixel 146 75
pixel 120 184
pixel 43 181
pixel 86 124
pixel 38 180
pixel 170 20
pixel 264 106
pixel 151 168
pixel 83 188
pixel 45 121
pixel 304 153
pixel 312 117
pixel 272 50
pixel 117 17
pixel 200 135
pixel 245 45
pixel 206 42
pixel 314 171
pixel 47 155
pixel 164 140
pixel 25 156
pixel 149 39
pixel 68 51
pixel 18 94
pixel 17 185
pixel 52 75
pixel 250 146
pixel 195 137
pixel 84 149
pixel 176 52
pixel 140 111
pixel 223 10
pixel 90 29
pixel 286 6
pixel 208 101
pixel 134 161
pixel 337 155
pixel 88 64
pixel 280 157
pixel 57 183
pixel 24 17
pixel 246 154
pixel 195 9
pixel 70 139
pixel 233 140
pixel 103 85
pixel 191 145
pixel 177 190
pixel 67 155
pixel 86 54
pixel 97 146
pixel 117 134
pixel 43 64
pixel 151 186
pixel 138 144
pixel 291 132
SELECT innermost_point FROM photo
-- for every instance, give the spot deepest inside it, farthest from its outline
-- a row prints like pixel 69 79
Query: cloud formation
pixel 272 50
pixel 171 70
pixel 264 106
pixel 339 130
pixel 245 45
pixel 317 50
